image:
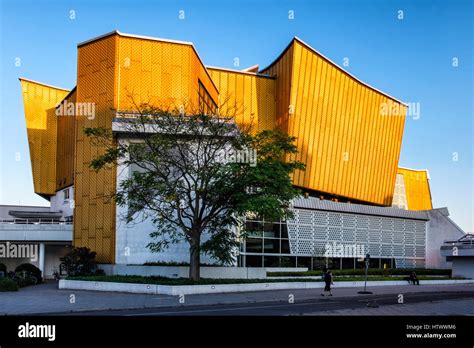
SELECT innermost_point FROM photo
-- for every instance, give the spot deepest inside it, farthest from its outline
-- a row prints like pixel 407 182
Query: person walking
pixel 328 280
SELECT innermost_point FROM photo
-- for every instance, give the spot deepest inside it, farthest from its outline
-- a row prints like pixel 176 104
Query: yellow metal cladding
pixel 417 189
pixel 350 148
pixel 118 73
pixel 39 102
pixel 247 97
pixel 161 73
pixel 94 215
pixel 66 142
pixel 281 69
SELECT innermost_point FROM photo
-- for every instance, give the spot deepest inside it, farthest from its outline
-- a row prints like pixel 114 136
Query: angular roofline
pixel 44 84
pixel 240 72
pixel 133 36
pixel 418 170
pixel 332 63
pixel 314 203
pixel 70 93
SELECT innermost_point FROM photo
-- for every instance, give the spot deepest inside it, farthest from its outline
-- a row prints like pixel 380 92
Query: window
pixel 66 194
pixel 207 106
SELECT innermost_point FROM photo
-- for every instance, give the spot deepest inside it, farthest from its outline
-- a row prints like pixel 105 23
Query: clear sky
pixel 409 58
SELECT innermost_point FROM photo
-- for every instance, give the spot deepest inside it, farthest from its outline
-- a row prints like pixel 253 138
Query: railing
pixel 34 222
pixel 468 239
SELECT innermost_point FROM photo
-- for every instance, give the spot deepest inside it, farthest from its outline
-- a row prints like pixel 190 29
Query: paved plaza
pixel 47 298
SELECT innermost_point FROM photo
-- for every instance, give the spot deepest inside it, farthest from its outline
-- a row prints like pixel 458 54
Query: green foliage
pixel 30 273
pixel 3 268
pixel 7 284
pixel 185 264
pixel 181 182
pixel 370 271
pixel 207 281
pixel 80 261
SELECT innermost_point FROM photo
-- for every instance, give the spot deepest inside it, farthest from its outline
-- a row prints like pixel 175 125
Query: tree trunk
pixel 195 258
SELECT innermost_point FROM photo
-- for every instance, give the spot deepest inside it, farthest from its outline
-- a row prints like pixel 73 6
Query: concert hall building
pixel 348 133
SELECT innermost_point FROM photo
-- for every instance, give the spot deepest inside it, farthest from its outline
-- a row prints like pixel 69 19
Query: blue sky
pixel 409 58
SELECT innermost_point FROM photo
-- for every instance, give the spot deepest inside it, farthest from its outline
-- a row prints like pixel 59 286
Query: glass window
pixel 271 261
pixel 386 263
pixel 207 106
pixel 304 262
pixel 284 230
pixel 254 245
pixel 271 230
pixel 334 262
pixel 374 263
pixel 253 261
pixel 319 263
pixel 287 261
pixel 271 246
pixel 254 228
pixel 285 246
pixel 348 263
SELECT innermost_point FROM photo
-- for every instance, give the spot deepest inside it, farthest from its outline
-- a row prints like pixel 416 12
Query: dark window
pixel 253 261
pixel 207 106
pixel 319 263
pixel 348 263
pixel 271 246
pixel 334 263
pixel 287 261
pixel 304 262
pixel 253 245
pixel 271 261
pixel 285 246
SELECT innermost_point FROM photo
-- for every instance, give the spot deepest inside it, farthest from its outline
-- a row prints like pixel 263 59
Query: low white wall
pixel 183 271
pixel 225 288
pixel 463 267
pixel 286 269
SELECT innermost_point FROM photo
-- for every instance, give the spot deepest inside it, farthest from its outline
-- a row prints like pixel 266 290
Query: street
pixel 47 299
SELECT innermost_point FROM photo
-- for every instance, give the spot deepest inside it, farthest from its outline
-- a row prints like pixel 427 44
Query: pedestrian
pixel 414 278
pixel 328 280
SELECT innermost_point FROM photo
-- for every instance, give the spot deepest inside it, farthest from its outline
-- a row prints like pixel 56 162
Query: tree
pixel 195 176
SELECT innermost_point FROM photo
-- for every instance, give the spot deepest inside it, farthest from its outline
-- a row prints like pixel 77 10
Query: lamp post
pixel 367 259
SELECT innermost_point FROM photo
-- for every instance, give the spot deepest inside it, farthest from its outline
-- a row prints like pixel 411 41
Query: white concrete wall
pixel 183 271
pixel 51 260
pixel 132 239
pixel 61 204
pixel 440 228
pixel 463 267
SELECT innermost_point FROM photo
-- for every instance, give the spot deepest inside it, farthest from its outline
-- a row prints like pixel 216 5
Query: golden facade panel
pixel 417 188
pixel 40 102
pixel 350 146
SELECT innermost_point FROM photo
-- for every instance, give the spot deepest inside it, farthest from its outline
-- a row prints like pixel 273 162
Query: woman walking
pixel 328 280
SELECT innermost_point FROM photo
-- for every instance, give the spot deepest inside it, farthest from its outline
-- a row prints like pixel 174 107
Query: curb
pixel 176 290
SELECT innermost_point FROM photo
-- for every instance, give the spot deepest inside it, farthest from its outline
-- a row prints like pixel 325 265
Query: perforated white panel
pixel 382 237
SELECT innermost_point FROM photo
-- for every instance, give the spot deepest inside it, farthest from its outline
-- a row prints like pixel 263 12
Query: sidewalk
pixel 449 307
pixel 47 298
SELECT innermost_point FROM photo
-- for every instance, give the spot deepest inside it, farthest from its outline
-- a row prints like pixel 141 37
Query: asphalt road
pixel 280 308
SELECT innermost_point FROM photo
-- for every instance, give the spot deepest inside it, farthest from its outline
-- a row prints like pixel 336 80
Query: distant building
pixel 35 235
pixel 349 135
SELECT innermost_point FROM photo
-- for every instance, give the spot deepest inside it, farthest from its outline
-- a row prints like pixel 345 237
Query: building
pixel 35 235
pixel 349 135
pixel 461 253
